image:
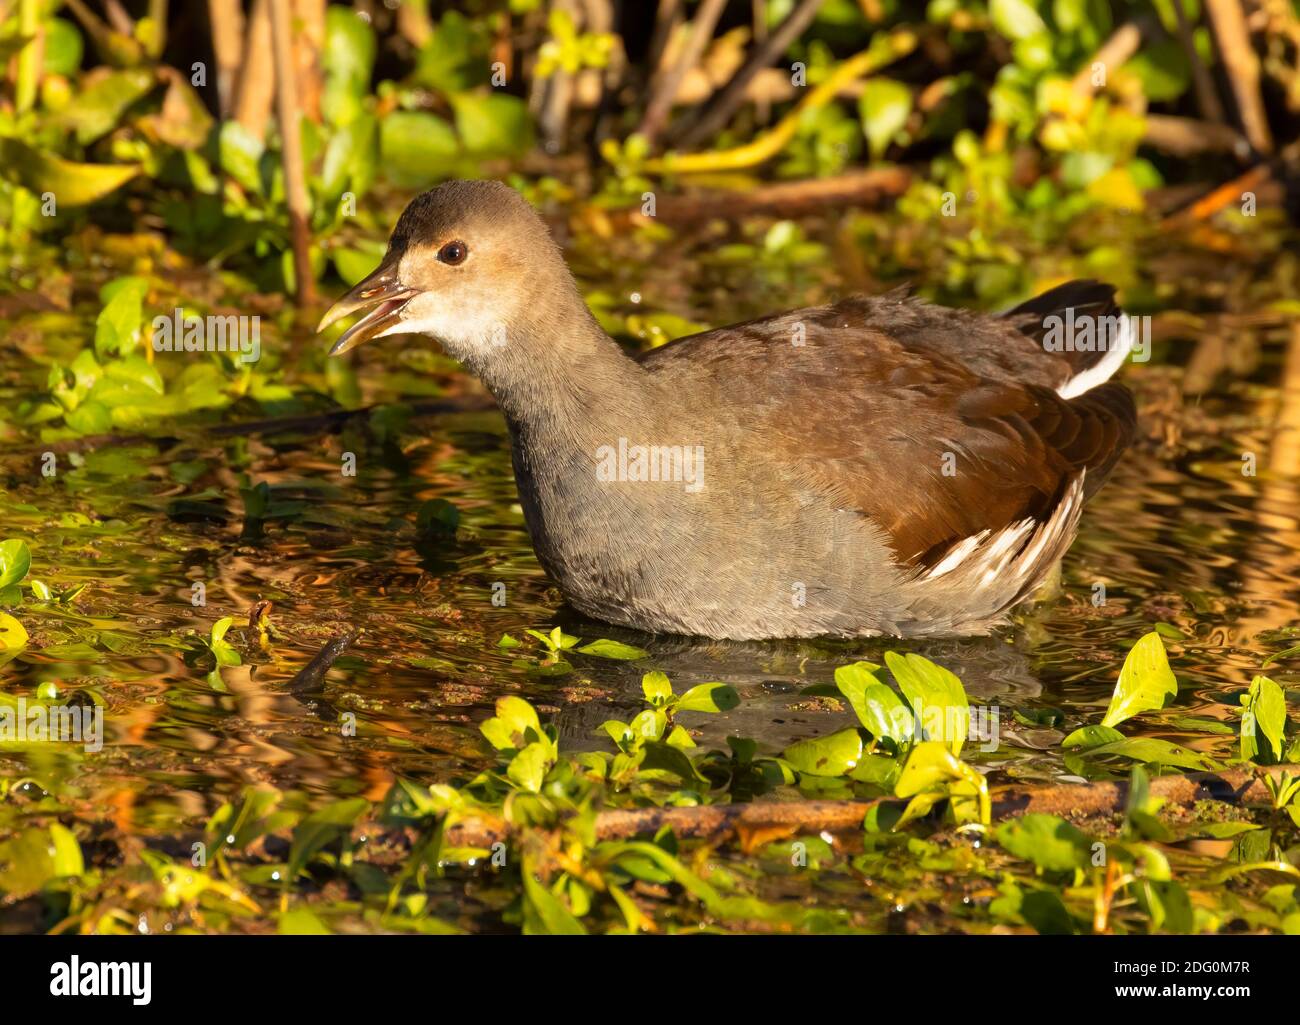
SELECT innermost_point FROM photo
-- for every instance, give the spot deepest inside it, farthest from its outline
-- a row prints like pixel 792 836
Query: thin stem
pixel 295 182
pixel 725 103
pixel 701 31
pixel 29 59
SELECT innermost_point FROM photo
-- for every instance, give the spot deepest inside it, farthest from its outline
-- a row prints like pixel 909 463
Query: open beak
pixel 382 294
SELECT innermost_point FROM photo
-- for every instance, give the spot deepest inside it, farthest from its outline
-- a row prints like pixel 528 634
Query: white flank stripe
pixel 1102 371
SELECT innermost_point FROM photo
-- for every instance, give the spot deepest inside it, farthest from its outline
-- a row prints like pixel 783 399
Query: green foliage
pixel 1145 681
pixel 1263 713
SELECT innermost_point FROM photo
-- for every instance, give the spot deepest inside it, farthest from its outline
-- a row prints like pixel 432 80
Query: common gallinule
pixel 875 466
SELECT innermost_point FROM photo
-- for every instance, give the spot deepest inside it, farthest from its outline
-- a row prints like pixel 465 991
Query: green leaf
pixel 15 561
pixel 649 724
pixel 826 756
pixel 544 914
pixel 301 922
pixel 1162 68
pixel 878 708
pixel 933 772
pixel 1047 914
pixel 1049 842
pixel 71 184
pixel 354 264
pixel 348 59
pixel 12 634
pixel 241 156
pixel 708 697
pixel 1166 904
pixel 1016 19
pixel 493 123
pixel 529 767
pixel 100 106
pixel 438 516
pixel 351 159
pixel 660 755
pixel 1146 682
pixel 221 649
pixel 1151 749
pixel 63 47
pixel 118 326
pixel 35 857
pixel 657 688
pixel 937 697
pixel 612 649
pixel 1092 736
pixel 510 728
pixel 66 856
pixel 319 829
pixel 416 147
pixel 1264 712
pixel 884 107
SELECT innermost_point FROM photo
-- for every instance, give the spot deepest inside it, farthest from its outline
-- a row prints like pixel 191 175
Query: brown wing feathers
pixel 899 384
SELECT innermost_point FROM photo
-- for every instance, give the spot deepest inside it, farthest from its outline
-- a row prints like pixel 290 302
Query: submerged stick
pixel 774 818
pixel 311 675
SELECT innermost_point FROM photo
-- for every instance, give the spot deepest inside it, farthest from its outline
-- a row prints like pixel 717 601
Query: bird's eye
pixel 453 253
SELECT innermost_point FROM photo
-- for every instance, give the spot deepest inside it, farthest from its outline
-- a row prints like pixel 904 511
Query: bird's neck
pixel 561 380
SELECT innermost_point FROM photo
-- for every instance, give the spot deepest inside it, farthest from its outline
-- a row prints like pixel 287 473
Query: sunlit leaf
pixel 1051 843
pixel 612 649
pixel 15 561
pixel 1264 712
pixel 1145 682
pixel 825 756
pixel 937 697
pixel 884 107
pixel 70 183
pixel 708 697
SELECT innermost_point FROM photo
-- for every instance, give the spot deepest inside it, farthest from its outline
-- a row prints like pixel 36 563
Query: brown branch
pixel 295 176
pixel 256 85
pixel 1231 192
pixel 227 20
pixel 1186 137
pixel 720 109
pixel 667 15
pixel 718 821
pixel 661 102
pixel 308 44
pixel 786 199
pixel 1207 99
pixel 1241 65
pixel 118 18
pixel 1117 50
pixel 557 93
